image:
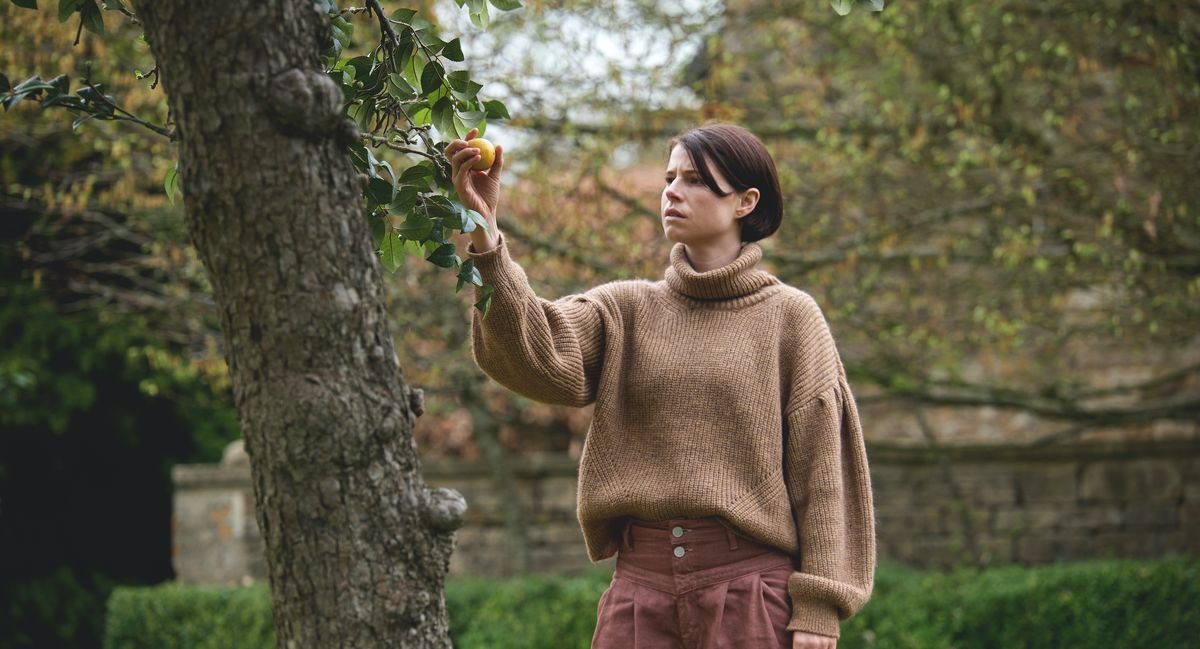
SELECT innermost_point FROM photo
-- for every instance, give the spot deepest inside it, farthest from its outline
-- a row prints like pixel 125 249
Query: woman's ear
pixel 747 201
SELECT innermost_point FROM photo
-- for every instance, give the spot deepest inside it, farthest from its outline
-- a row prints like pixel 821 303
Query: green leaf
pixel 363 113
pixel 413 69
pixel 459 80
pixel 416 227
pixel 478 10
pixel 379 229
pixel 64 101
pixel 473 117
pixel 391 254
pixel 870 5
pixel 453 51
pixel 403 15
pixel 444 256
pixel 484 304
pixel 468 274
pixel 400 88
pixel 418 174
pixel 506 5
pixel 362 66
pixel 440 207
pixel 27 4
pixel 841 7
pixel 93 20
pixel 404 200
pixel 465 223
pixel 66 8
pixel 379 192
pixel 495 109
pixel 360 156
pixel 460 127
pixel 171 183
pixel 469 92
pixel 477 219
pixel 342 30
pixel 60 85
pixel 431 77
pixel 443 116
pixel 79 121
pixel 422 116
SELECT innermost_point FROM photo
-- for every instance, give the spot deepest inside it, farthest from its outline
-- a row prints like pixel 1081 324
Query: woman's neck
pixel 704 258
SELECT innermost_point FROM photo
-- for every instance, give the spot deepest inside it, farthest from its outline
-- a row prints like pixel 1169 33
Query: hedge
pixel 176 616
pixel 1111 604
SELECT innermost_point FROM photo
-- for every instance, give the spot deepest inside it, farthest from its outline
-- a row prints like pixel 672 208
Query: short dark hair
pixel 744 160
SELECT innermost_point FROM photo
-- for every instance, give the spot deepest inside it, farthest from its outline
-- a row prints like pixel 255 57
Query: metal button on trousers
pixel 713 590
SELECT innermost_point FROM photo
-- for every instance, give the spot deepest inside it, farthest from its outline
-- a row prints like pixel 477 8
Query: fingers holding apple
pixel 476 165
pixel 487 153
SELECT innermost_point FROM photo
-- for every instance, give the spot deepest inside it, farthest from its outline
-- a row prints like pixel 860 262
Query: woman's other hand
pixel 478 190
pixel 803 640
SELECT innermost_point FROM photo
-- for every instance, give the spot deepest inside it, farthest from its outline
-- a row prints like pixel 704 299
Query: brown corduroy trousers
pixel 694 584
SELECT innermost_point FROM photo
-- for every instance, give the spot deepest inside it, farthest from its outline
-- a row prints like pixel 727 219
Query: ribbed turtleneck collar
pixel 739 278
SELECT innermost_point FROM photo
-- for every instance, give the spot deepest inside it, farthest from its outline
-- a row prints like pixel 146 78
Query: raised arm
pixel 548 351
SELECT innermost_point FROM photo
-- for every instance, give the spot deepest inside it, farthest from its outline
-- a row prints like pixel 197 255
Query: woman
pixel 725 464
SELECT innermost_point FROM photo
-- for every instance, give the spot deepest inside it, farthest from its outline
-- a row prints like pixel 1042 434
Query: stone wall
pixel 980 506
pixel 945 506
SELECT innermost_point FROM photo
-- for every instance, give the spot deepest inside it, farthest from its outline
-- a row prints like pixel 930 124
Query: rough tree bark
pixel 357 546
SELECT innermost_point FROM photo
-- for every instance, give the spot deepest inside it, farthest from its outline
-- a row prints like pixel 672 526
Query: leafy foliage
pixel 400 94
pixel 405 94
pixel 174 615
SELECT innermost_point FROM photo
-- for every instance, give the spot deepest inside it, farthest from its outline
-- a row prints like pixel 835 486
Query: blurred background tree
pixel 991 201
pixel 111 370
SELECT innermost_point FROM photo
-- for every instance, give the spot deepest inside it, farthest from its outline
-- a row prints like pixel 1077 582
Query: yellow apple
pixel 487 154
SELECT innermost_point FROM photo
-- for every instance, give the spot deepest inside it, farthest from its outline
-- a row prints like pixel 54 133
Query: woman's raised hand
pixel 478 190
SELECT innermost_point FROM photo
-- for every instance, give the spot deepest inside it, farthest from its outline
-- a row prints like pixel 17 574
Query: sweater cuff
pixel 496 266
pixel 814 617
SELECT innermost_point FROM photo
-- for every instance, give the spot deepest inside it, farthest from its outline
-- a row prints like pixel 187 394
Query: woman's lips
pixel 673 213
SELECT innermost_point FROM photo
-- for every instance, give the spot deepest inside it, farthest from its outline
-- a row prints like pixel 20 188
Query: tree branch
pixel 388 35
pixel 379 140
pixel 1063 407
pixel 125 115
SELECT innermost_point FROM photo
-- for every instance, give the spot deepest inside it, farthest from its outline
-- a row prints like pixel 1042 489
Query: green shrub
pixel 62 609
pixel 529 612
pixel 175 616
pixel 1111 604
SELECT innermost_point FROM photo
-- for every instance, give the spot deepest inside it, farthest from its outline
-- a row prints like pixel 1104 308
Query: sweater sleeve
pixel 830 490
pixel 549 351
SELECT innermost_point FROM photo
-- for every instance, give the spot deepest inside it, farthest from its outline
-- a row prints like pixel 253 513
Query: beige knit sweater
pixel 717 394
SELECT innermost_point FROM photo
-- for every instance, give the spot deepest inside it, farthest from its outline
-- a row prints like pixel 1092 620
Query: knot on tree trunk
pixel 416 401
pixel 308 104
pixel 444 509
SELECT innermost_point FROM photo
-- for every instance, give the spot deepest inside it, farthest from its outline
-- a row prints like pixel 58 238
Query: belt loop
pixel 627 536
pixel 732 537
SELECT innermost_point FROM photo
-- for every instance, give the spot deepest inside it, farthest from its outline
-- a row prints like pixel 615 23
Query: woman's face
pixel 691 213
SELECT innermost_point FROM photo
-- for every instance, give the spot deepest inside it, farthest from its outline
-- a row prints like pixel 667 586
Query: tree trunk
pixel 357 547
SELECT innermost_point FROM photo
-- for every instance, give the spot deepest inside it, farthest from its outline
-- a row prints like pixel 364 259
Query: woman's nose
pixel 670 192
